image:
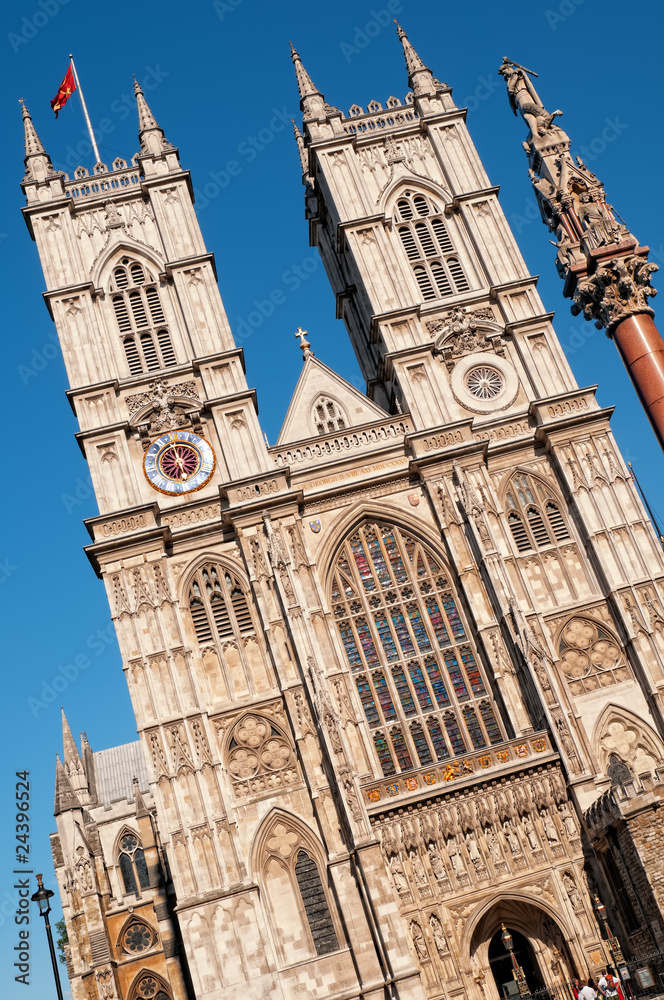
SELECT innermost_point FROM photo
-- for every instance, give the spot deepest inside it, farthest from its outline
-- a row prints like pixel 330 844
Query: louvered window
pixel 218 606
pixel 315 904
pixel 428 246
pixel 533 514
pixel 419 680
pixel 138 310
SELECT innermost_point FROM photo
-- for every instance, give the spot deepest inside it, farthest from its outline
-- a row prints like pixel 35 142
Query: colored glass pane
pixel 437 739
pixel 386 637
pixel 453 617
pixel 418 628
pixel 384 698
pixel 438 623
pixel 454 670
pixel 421 746
pixel 401 750
pixel 433 565
pixel 393 555
pixel 403 635
pixel 344 577
pixel 474 728
pixel 437 683
pixel 454 733
pixel 366 641
pixel 472 671
pixel 367 699
pixel 362 563
pixel 490 724
pixel 410 547
pixel 350 646
pixel 378 559
pixel 336 592
pixel 421 566
pixel 403 690
pixel 384 755
pixel 420 686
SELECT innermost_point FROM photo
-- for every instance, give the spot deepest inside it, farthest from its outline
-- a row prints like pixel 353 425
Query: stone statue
pixel 418 939
pixel 568 821
pixel 454 856
pixel 436 862
pixel 473 850
pixel 525 100
pixel 550 828
pixel 398 876
pixel 494 849
pixel 438 936
pixel 529 830
pixel 511 838
pixel 418 868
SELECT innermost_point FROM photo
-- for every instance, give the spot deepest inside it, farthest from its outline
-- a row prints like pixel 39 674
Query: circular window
pixel 484 382
pixel 138 938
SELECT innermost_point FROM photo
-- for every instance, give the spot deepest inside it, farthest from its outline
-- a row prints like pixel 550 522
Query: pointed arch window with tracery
pixel 328 415
pixel 534 514
pixel 590 656
pixel 131 861
pixel 428 246
pixel 218 605
pixel 421 686
pixel 140 318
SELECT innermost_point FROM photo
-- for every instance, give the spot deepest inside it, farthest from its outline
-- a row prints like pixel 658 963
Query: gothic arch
pixel 201 559
pixel 589 653
pixel 536 512
pixel 258 753
pixel 133 943
pixel 328 414
pixel 149 985
pixel 129 856
pixel 621 734
pixel 110 256
pixel 390 195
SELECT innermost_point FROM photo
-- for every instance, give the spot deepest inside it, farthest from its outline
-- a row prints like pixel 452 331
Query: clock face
pixel 179 462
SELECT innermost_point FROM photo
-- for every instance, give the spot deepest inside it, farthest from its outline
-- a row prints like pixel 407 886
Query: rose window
pixel 484 382
pixel 589 657
pixel 138 938
pixel 148 987
pixel 260 757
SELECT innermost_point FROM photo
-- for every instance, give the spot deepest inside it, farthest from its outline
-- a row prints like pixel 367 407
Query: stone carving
pixel 550 828
pixel 572 891
pixel 299 555
pixel 259 757
pixel 417 867
pixel 166 409
pixel 439 938
pixel 455 857
pixel 511 838
pixel 418 939
pixel 83 870
pixel 530 833
pixel 466 331
pixel 617 290
pixel 398 876
pixel 436 862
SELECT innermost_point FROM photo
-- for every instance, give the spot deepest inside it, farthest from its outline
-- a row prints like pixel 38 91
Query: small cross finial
pixel 304 343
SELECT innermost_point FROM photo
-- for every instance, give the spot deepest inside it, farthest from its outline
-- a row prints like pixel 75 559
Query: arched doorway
pixel 501 966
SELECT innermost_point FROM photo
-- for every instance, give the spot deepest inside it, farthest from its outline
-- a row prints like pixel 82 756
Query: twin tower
pixel 398 678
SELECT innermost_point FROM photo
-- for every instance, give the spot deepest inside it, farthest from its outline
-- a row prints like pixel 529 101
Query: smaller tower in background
pixel 606 271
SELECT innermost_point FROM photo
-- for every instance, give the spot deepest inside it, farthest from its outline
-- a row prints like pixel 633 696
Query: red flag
pixel 65 90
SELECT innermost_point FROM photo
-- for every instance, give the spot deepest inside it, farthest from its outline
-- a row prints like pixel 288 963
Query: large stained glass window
pixel 409 650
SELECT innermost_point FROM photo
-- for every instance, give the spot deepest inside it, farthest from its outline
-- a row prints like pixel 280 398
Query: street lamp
pixel 43 899
pixel 519 976
pixel 614 943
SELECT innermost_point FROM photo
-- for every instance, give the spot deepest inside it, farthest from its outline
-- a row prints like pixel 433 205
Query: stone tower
pixel 394 676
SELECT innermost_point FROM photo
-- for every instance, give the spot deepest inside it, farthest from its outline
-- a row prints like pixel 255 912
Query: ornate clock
pixel 179 462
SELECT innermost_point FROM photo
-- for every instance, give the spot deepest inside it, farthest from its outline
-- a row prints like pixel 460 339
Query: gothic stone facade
pixel 398 678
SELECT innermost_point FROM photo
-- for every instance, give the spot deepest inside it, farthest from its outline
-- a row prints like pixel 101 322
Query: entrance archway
pixel 501 966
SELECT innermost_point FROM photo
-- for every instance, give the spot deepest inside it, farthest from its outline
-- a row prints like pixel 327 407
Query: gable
pixel 324 403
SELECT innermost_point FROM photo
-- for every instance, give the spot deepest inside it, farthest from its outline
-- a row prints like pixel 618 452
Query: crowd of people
pixel 608 987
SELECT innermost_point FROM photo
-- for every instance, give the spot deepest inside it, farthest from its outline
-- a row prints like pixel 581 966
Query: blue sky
pixel 220 82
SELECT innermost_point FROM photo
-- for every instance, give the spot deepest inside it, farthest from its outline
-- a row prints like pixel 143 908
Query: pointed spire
pixel 73 763
pixel 65 796
pixel 312 101
pixel 139 801
pixel 420 78
pixel 301 148
pixel 71 755
pixel 37 162
pixel 150 135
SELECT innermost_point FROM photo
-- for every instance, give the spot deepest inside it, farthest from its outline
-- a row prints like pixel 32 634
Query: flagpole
pixel 85 111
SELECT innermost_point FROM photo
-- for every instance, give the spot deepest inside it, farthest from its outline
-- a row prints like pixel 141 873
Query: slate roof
pixel 115 770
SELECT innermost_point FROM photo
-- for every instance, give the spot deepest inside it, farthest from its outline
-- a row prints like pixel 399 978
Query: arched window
pixel 131 860
pixel 533 514
pixel 421 687
pixel 140 318
pixel 297 894
pixel 218 605
pixel 590 657
pixel 328 416
pixel 149 986
pixel 427 245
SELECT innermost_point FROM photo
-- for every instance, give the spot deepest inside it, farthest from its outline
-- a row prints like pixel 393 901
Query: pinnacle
pixel 33 143
pixel 305 84
pixel 146 120
pixel 65 796
pixel 413 62
pixel 68 741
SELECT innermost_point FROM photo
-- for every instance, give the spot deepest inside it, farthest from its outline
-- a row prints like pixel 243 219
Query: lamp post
pixel 614 943
pixel 43 898
pixel 519 976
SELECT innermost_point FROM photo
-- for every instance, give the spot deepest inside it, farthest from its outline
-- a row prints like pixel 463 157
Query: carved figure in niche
pixel 455 858
pixel 83 869
pixel 568 821
pixel 438 936
pixel 418 939
pixel 529 830
pixel 398 876
pixel 572 891
pixel 418 868
pixel 494 849
pixel 511 838
pixel 473 850
pixel 550 828
pixel 436 862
